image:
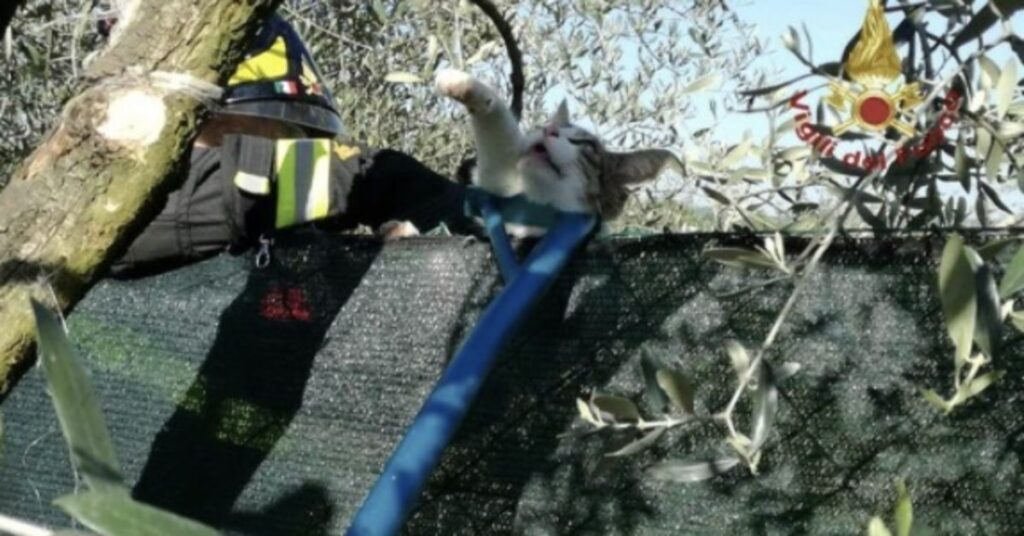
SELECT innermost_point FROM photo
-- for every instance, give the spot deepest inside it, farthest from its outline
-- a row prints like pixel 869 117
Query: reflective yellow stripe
pixel 254 184
pixel 267 65
pixel 318 203
pixel 303 181
pixel 285 166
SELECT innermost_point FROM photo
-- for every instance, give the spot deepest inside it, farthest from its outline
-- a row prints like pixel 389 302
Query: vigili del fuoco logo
pixel 876 99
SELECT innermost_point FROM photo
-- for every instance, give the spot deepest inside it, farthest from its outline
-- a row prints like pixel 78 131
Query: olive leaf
pixel 1017 319
pixel 379 11
pixel 904 511
pixel 639 445
pixel 738 357
pixel 615 409
pixel 791 39
pixel 740 258
pixel 709 81
pixel 678 389
pixel 1013 280
pixel 876 223
pixel 654 394
pixel 989 324
pixel 766 405
pixel 688 472
pixel 877 527
pixel 961 165
pixel 717 196
pixel 957 291
pixel 990 149
pixel 585 412
pixel 983 382
pixel 934 399
pixel 1006 87
pixel 993 195
pixel 433 51
pixel 786 371
pixel 984 19
pixel 736 154
pixel 115 513
pixel 78 410
pixel 989 72
pixel 483 52
pixel 993 248
pixel 402 77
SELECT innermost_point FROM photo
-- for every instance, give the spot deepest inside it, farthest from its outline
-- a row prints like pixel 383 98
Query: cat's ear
pixel 561 116
pixel 639 166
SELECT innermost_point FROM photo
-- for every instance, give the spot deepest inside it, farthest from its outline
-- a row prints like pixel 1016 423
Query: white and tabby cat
pixel 558 164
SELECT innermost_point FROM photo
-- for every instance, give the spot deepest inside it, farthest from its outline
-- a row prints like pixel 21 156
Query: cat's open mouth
pixel 540 151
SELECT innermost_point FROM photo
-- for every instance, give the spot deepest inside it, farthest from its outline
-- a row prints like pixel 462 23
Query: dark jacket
pixel 224 205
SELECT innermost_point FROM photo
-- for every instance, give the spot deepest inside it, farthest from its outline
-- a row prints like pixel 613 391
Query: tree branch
pixel 103 171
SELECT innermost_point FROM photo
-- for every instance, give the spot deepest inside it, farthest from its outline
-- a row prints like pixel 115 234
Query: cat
pixel 558 164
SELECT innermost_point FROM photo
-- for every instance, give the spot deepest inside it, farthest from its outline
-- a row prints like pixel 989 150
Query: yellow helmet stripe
pixel 267 65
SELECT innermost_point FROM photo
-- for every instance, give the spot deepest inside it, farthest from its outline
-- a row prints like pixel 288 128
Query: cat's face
pixel 566 166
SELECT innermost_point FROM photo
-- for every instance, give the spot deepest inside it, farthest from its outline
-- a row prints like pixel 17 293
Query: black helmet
pixel 278 79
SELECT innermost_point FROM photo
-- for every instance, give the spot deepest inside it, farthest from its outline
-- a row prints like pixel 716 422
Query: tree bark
pixel 101 174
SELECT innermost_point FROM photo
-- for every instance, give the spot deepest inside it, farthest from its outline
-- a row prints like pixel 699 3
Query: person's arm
pixel 287 182
pixel 394 186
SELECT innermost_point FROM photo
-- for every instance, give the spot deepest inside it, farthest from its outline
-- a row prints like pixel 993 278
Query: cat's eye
pixel 583 141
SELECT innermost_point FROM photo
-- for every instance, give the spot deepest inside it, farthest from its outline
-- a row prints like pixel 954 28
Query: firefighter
pixel 274 155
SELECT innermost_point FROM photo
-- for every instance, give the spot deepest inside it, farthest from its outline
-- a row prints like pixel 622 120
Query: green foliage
pixel 957 290
pixel 772 255
pixel 903 515
pixel 108 507
pixel 619 415
pixel 975 316
pixel 114 513
pixel 43 53
pixel 1013 281
pixel 678 389
pixel 78 410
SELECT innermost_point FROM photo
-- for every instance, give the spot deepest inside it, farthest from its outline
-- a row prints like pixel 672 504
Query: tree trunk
pixel 101 174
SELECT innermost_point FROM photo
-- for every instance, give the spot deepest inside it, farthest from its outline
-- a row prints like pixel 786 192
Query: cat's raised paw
pixel 461 86
pixel 454 84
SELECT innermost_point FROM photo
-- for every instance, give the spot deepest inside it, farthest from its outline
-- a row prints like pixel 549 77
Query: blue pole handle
pixel 397 489
pixel 503 252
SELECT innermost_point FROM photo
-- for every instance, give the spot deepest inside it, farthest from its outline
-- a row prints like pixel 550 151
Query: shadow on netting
pixel 247 392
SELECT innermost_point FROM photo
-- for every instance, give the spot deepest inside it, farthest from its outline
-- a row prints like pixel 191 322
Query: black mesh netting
pixel 265 402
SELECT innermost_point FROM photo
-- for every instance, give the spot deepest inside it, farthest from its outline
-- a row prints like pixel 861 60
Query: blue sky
pixel 830 27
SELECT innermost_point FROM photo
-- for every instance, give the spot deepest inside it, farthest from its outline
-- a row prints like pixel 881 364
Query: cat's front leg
pixel 499 143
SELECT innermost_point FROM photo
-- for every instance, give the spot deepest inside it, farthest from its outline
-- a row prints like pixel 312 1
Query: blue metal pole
pixel 395 493
pixel 503 252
